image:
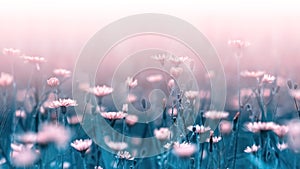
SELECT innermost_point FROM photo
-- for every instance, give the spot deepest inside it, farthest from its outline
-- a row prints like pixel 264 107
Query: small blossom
pixel 98 167
pixel 191 95
pixel 74 119
pixel 251 149
pixel 198 129
pixel 23 155
pixel 210 74
pixel 215 115
pixel 173 112
pixel 82 145
pixel 282 146
pixel 53 82
pixel 6 79
pixel 154 78
pixel 125 155
pixel 117 146
pixel 260 126
pixel 101 91
pixel 62 103
pixel 131 83
pixel 295 94
pixel 34 60
pixel 162 133
pixel 20 113
pixel 280 131
pixel 161 58
pixel 215 139
pixel 184 149
pixel 176 71
pixel 131 98
pixel 62 73
pixel 131 119
pixel 167 146
pixel 178 60
pixel 252 74
pixel 268 78
pixel 237 43
pixel 113 115
pixel 11 52
pixel 171 83
pixel 225 127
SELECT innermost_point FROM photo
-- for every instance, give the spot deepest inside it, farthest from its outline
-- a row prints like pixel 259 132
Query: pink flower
pixel 215 115
pixel 215 139
pixel 260 126
pixel 280 131
pixel 20 113
pixel 62 72
pixel 82 145
pixel 162 133
pixel 131 83
pixel 184 149
pixel 74 119
pixel 268 78
pixel 198 129
pixel 174 112
pixel 62 103
pixel 295 94
pixel 161 58
pixel 131 98
pixel 176 71
pixel 11 52
pixel 191 95
pixel 178 60
pixel 113 115
pixel 171 84
pixel 282 146
pixel 6 79
pixel 252 74
pixel 154 78
pixel 125 155
pixel 101 91
pixel 118 146
pixel 251 149
pixel 225 127
pixel 237 43
pixel 53 82
pixel 34 60
pixel 131 119
pixel 23 155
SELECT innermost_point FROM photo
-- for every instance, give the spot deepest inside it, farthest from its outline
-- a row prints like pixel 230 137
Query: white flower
pixel 268 78
pixel 162 133
pixel 113 115
pixel 131 83
pixel 11 52
pixel 131 119
pixel 62 103
pixel 280 130
pixel 295 94
pixel 23 155
pixel 215 115
pixel 260 126
pixel 251 149
pixel 161 58
pixel 53 82
pixel 178 60
pixel 191 95
pixel 82 145
pixel 282 146
pixel 176 71
pixel 125 155
pixel 118 146
pixel 215 139
pixel 198 129
pixel 252 74
pixel 154 78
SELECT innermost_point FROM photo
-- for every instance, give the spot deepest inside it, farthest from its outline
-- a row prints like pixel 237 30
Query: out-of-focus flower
pixel 125 155
pixel 162 133
pixel 66 165
pixel 82 145
pixel 53 133
pixel 131 119
pixel 176 60
pixel 6 79
pixel 98 167
pixel 198 129
pixel 176 71
pixel 282 146
pixel 125 108
pixel 295 94
pixel 215 115
pixel 74 119
pixel 20 113
pixel 191 95
pixel 168 145
pixel 161 58
pixel 184 149
pixel 23 155
pixel 252 74
pixel 294 135
pixel 62 103
pixel 131 98
pixel 260 126
pixel 237 43
pixel 210 74
pixel 225 127
pixel 62 73
pixel 131 83
pixel 11 52
pixel 171 83
pixel 2 161
pixel 101 91
pixel 154 78
pixel 280 131
pixel 34 60
pixel 268 78
pixel 254 148
pixel 113 115
pixel 53 82
pixel 117 146
pixel 173 112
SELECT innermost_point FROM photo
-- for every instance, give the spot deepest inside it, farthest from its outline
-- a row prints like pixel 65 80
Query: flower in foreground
pixel 113 115
pixel 252 149
pixel 6 79
pixel 198 129
pixel 23 155
pixel 162 133
pixel 53 82
pixel 225 127
pixel 215 115
pixel 82 145
pixel 184 149
pixel 101 91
